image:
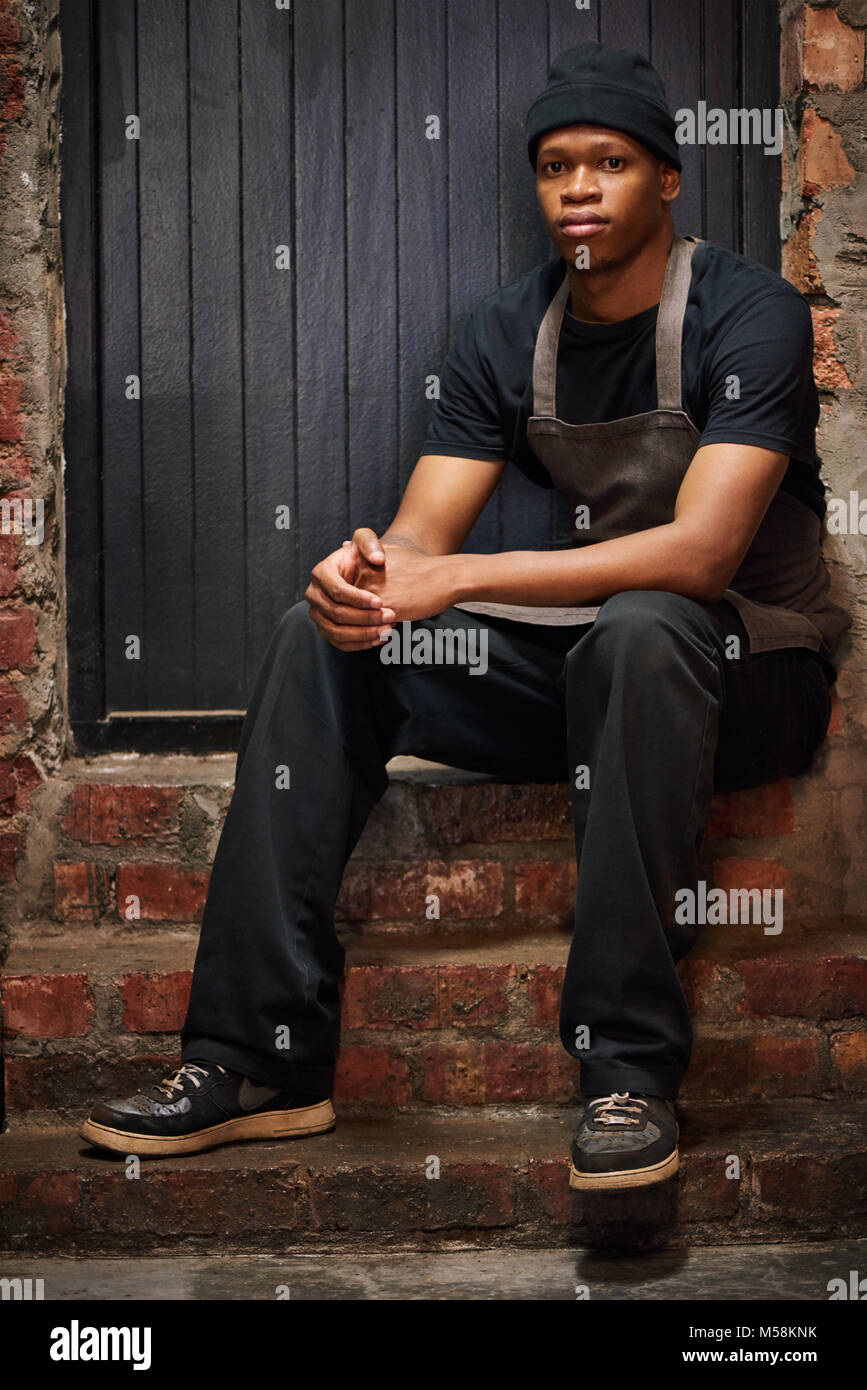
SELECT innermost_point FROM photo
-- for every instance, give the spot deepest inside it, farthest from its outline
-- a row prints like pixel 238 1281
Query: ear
pixel 669 182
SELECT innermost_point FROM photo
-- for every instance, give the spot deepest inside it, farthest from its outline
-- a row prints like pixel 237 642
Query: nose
pixel 581 184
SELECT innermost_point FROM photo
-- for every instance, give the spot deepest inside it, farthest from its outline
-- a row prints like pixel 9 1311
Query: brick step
pixel 750 1173
pixel 138 834
pixel 452 1020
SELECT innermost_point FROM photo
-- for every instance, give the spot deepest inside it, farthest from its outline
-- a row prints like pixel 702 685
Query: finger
pixel 331 584
pixel 345 615
pixel 355 625
pixel 357 637
pixel 355 646
pixel 369 544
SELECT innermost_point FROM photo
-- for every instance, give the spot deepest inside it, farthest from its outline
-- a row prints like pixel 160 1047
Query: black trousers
pixel 649 699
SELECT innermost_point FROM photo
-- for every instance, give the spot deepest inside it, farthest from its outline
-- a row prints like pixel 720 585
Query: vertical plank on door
pixel 219 483
pixel 675 49
pixel 760 49
pixel 374 458
pixel 268 344
pixel 720 219
pixel 82 422
pixel 423 291
pixel 125 582
pixel 320 281
pixel 475 174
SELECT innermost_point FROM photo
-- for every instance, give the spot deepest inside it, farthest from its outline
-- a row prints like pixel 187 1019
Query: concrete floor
pixel 778 1272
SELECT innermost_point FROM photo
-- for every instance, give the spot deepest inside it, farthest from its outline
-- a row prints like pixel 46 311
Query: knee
pixel 652 628
pixel 295 635
pixel 296 619
pixel 298 640
pixel 637 617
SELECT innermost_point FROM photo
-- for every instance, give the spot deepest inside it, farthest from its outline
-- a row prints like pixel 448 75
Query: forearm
pixel 662 557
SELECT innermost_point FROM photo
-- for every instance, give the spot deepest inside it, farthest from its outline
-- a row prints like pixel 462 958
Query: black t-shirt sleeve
pixel 467 419
pixel 760 379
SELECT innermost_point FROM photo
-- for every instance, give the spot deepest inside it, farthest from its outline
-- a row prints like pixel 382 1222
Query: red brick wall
pixel 823 223
pixel 31 373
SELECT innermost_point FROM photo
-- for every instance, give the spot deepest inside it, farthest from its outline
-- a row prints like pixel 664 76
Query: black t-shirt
pixel 741 320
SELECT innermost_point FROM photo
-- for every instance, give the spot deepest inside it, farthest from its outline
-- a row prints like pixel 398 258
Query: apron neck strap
pixel 669 323
pixel 669 328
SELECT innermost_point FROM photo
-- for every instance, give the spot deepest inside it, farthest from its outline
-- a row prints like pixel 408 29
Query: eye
pixel 613 159
pixel 551 163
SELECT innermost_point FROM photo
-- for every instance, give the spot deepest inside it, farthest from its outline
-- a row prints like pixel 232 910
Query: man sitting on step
pixel 683 643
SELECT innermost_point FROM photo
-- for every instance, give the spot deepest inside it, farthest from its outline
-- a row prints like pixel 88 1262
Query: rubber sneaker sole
pixel 621 1178
pixel 272 1124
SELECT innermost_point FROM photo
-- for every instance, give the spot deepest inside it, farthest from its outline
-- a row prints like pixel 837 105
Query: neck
pixel 617 292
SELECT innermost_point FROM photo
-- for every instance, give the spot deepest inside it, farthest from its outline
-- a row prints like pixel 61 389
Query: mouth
pixel 576 224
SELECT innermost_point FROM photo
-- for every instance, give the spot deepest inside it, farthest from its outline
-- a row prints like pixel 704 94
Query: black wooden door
pixel 266 258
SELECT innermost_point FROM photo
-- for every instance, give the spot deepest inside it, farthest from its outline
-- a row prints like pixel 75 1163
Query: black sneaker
pixel 624 1139
pixel 200 1106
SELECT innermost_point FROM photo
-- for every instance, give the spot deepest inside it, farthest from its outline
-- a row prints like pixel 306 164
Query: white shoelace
pixel 618 1108
pixel 176 1082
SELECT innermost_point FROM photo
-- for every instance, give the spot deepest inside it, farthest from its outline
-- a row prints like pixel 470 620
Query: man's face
pixel 601 189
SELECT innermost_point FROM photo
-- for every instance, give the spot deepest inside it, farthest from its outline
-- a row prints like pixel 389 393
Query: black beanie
pixel 592 84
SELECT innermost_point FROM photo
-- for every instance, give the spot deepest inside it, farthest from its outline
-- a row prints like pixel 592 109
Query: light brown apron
pixel 627 473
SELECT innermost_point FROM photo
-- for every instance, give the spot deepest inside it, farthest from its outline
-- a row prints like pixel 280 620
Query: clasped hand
pixel 358 591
